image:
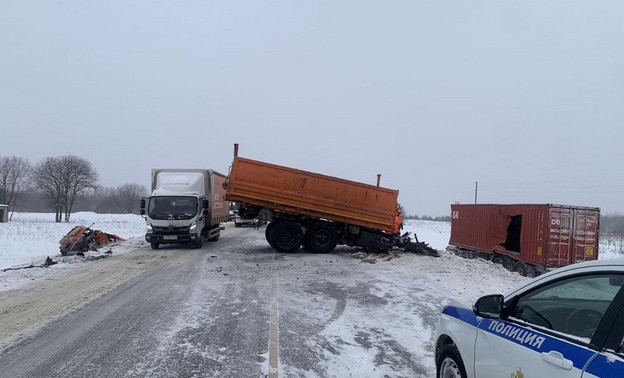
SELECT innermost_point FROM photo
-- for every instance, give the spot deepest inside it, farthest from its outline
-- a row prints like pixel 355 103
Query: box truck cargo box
pixel 185 206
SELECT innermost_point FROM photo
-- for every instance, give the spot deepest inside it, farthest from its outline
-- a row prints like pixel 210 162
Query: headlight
pixel 193 227
pixel 149 228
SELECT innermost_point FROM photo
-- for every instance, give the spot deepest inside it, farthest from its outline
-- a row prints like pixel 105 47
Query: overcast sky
pixel 525 97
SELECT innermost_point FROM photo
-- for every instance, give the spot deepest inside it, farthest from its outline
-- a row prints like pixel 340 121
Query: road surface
pixel 233 308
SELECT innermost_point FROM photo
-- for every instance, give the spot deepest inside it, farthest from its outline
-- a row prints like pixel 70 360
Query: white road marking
pixel 274 332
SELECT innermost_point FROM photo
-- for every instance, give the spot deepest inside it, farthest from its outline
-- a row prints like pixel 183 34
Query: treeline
pixel 124 199
pixel 64 185
pixel 427 217
pixel 610 224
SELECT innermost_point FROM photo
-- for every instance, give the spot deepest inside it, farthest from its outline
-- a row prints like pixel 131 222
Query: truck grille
pixel 170 230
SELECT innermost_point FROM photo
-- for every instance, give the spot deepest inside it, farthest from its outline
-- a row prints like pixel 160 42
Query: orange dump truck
pixel 314 210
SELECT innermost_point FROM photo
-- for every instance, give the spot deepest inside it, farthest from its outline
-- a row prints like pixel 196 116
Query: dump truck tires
pixel 285 236
pixel 321 237
pixel 267 233
pixel 154 245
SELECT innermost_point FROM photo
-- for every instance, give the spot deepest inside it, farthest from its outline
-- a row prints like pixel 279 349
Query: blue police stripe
pixel 462 314
pixel 601 366
pixel 577 354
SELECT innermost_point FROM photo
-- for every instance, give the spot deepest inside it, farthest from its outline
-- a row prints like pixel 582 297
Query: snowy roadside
pixel 32 237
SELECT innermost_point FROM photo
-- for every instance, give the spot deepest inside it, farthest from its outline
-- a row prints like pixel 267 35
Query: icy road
pixel 235 308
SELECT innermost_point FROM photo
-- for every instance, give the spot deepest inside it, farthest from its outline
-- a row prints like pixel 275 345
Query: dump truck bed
pixel 295 191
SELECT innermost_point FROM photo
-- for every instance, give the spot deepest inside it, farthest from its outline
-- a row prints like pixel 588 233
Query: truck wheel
pixel 450 364
pixel 520 268
pixel 267 233
pixel 198 242
pixel 236 224
pixel 321 237
pixel 286 236
pixel 215 238
pixel 154 245
pixel 508 264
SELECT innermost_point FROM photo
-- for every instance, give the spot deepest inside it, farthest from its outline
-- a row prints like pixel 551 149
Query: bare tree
pixel 78 176
pixel 47 175
pixel 14 173
pixel 63 179
pixel 130 196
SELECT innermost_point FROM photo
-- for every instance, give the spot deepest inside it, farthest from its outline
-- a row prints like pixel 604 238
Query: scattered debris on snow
pixel 82 238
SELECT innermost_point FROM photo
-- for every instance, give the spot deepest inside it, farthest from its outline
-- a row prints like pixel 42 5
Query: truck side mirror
pixel 142 206
pixel 206 204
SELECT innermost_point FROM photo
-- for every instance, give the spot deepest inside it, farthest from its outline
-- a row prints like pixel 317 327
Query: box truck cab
pixel 185 207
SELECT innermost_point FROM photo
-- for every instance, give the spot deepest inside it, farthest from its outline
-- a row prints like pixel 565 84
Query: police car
pixel 566 323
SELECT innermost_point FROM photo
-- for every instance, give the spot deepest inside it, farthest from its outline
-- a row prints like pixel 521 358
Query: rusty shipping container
pixel 534 236
pixel 311 194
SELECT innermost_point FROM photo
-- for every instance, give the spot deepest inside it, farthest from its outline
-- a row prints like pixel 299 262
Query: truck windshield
pixel 172 207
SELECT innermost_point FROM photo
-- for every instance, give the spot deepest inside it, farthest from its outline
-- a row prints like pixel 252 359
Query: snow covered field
pixel 31 237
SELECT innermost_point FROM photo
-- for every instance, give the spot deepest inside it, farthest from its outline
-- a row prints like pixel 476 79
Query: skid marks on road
pixel 374 257
pixel 333 293
pixel 388 352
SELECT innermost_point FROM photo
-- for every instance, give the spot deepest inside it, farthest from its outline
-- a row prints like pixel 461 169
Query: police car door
pixel 610 361
pixel 547 330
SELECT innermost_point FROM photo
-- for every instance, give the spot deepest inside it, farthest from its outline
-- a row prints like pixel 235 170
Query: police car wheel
pixel 450 364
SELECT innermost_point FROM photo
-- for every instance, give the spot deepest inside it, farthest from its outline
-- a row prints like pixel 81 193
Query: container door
pixel 585 234
pixel 559 240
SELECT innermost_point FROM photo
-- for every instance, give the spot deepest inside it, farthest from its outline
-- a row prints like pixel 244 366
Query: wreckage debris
pixel 49 262
pixel 46 264
pixel 422 248
pixel 405 241
pixel 82 239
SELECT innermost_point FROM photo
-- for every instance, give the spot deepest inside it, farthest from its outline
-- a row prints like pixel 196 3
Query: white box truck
pixel 186 206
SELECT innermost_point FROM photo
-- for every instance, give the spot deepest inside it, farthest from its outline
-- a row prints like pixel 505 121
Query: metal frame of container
pixel 543 235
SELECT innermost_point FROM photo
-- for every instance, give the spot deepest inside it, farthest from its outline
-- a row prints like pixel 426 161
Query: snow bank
pixel 31 237
pixel 611 247
pixel 436 234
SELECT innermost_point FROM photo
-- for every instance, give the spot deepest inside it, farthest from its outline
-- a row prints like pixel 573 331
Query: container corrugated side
pixel 546 235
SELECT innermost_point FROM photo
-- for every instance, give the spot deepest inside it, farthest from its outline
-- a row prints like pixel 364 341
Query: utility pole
pixel 476 190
